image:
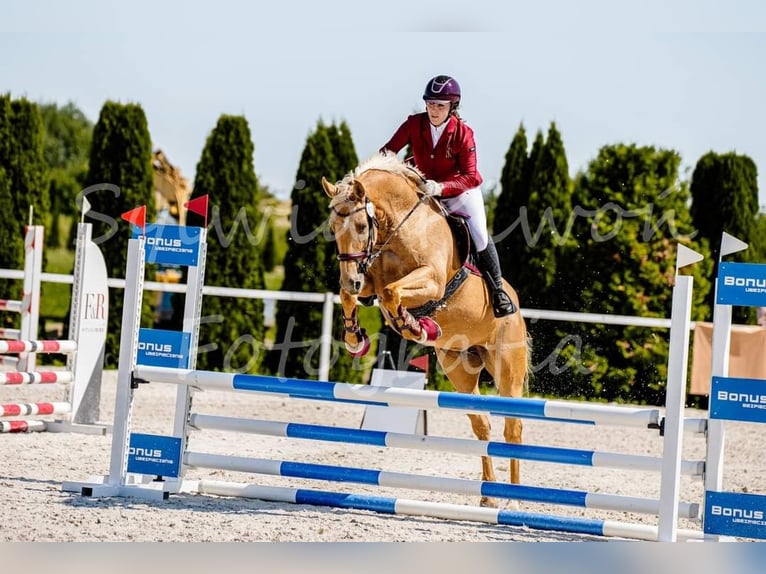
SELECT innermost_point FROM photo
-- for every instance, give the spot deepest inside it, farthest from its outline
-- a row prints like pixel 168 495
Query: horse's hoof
pixel 487 502
pixel 361 349
pixel 430 330
pixel 512 505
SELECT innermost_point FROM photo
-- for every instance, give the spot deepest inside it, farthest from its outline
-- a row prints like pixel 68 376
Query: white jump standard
pixel 85 352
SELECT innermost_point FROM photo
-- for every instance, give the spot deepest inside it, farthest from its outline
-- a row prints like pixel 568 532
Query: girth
pixel 452 286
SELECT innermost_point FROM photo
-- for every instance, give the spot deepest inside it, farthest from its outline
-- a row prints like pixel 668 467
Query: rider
pixel 444 150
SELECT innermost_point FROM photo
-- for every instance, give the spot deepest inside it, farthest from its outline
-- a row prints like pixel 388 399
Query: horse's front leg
pixel 354 337
pixel 412 290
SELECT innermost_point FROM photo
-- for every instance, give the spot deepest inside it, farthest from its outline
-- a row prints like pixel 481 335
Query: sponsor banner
pixel 171 244
pixel 90 334
pixel 154 454
pixel 742 284
pixel 735 514
pixel 163 348
pixel 738 399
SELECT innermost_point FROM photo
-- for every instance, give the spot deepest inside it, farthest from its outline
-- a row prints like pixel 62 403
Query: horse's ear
pixel 330 189
pixel 358 191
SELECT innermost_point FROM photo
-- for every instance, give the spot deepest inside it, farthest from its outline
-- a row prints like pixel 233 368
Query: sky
pixel 677 74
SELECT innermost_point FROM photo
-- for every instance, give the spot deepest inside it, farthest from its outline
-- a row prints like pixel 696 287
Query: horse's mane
pixel 383 161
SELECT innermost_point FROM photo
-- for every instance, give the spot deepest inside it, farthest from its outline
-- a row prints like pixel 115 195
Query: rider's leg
pixel 489 264
pixel 471 203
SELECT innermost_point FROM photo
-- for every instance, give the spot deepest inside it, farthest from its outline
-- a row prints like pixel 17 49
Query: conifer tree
pixel 344 367
pixel 12 253
pixel 520 235
pixel 232 329
pixel 119 180
pixel 514 194
pixel 544 226
pixel 5 130
pixel 27 169
pixel 23 183
pixel 545 217
pixel 296 349
pixel 724 190
pixel 310 261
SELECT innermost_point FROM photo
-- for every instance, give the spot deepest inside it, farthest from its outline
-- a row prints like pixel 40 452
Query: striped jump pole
pixel 402 506
pixel 31 377
pixel 561 411
pixel 472 447
pixel 35 378
pixel 9 361
pixel 382 478
pixel 32 409
pixel 6 333
pixel 10 305
pixel 51 346
pixel 27 410
pixel 22 426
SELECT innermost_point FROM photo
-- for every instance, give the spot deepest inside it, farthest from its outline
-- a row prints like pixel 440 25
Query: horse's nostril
pixel 357 285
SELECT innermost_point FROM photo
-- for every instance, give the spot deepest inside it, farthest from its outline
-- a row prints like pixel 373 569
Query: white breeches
pixel 471 203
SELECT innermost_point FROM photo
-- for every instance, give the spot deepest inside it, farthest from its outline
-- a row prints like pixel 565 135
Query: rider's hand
pixel 431 187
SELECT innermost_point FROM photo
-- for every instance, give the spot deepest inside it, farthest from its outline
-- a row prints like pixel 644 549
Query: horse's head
pixel 352 221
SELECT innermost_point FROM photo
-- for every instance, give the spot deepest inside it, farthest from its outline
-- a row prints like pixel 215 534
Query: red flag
pixel 420 363
pixel 136 216
pixel 198 206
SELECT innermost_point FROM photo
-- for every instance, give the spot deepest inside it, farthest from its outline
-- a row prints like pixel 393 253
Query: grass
pixel 56 297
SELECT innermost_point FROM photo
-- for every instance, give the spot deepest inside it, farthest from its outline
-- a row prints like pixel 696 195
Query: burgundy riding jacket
pixel 452 162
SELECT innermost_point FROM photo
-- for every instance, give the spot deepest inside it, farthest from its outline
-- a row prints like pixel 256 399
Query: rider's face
pixel 438 111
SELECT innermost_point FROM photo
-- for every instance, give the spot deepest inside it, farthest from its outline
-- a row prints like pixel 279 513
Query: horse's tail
pixel 529 372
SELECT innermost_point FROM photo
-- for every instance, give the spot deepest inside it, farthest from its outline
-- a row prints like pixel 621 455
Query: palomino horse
pixel 395 243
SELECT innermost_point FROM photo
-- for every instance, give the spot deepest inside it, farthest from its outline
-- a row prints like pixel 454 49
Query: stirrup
pixel 502 305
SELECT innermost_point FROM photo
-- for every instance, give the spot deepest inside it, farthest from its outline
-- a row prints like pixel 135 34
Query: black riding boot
pixel 489 265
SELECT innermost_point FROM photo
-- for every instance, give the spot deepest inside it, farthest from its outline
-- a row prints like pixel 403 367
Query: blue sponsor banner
pixel 742 284
pixel 171 244
pixel 735 514
pixel 738 399
pixel 163 348
pixel 154 454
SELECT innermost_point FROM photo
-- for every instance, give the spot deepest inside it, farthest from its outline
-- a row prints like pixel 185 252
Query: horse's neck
pixel 425 234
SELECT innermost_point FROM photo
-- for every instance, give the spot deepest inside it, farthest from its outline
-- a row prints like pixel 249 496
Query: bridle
pixel 365 259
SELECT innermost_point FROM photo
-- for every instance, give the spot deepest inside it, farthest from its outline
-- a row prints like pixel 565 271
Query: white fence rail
pixel 329 300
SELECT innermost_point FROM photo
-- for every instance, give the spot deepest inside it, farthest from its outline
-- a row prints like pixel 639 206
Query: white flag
pixel 730 244
pixel 85 207
pixel 686 256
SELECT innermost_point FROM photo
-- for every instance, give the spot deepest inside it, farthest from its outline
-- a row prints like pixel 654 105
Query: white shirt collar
pixel 436 133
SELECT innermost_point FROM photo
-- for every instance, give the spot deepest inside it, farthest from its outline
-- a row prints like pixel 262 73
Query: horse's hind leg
pixel 508 365
pixel 463 370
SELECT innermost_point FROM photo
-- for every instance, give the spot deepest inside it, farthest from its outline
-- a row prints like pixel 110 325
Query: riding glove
pixel 431 187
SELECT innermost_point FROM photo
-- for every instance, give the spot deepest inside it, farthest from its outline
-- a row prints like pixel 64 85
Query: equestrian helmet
pixel 442 88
